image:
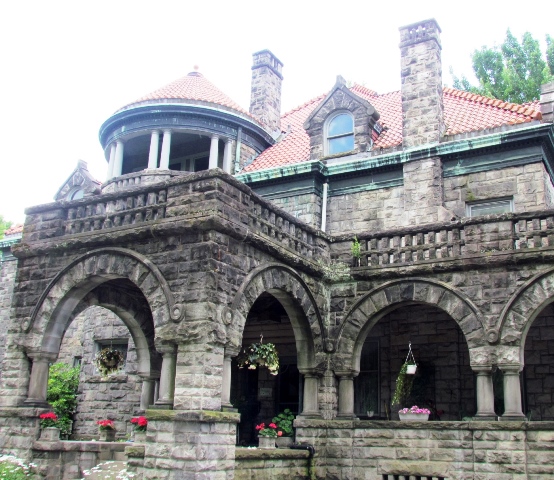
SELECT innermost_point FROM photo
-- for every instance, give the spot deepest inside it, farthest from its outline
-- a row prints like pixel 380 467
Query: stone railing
pixel 472 236
pixel 279 227
pixel 129 209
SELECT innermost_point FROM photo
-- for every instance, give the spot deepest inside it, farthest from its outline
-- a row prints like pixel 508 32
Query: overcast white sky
pixel 68 65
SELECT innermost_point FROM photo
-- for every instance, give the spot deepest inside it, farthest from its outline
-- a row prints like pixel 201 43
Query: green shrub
pixel 63 382
pixel 284 422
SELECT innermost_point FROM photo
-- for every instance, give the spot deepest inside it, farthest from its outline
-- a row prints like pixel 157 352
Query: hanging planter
pixel 260 355
pixel 411 365
pixel 108 361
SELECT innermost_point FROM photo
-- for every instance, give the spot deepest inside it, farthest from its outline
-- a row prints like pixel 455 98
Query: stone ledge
pixel 423 469
pixel 78 446
pixel 204 416
pixel 243 453
pixel 135 451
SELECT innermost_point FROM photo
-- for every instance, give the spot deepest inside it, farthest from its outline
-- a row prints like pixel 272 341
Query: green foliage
pixel 512 72
pixel 12 468
pixel 4 225
pixel 63 382
pixel 284 422
pixel 260 355
pixel 404 385
pixel 356 248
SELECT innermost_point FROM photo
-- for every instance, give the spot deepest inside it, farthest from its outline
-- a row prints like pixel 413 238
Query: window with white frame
pixel 490 207
pixel 339 133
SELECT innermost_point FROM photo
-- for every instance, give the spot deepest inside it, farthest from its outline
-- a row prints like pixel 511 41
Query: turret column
pixel 112 161
pixel 166 147
pixel 154 145
pixel 118 161
pixel 214 153
pixel 227 156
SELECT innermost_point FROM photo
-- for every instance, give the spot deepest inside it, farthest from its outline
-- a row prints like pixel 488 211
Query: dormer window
pixel 340 134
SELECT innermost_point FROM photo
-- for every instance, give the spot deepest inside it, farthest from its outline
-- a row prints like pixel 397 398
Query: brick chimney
pixel 265 96
pixel 547 102
pixel 421 72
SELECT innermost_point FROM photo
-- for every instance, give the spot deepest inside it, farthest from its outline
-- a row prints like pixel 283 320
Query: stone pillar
pixel 485 393
pixel 112 161
pixel 226 379
pixel 346 395
pixel 421 84
pixel 118 160
pixel 512 393
pixel 310 404
pixel 38 383
pixel 265 90
pixel 214 153
pixel 167 376
pixel 154 145
pixel 227 156
pixel 166 147
pixel 547 102
pixel 147 393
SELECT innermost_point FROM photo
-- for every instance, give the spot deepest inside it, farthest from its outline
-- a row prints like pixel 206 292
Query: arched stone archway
pixel 300 303
pixel 380 301
pixel 302 308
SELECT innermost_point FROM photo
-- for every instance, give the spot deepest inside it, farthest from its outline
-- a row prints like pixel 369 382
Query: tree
pixel 4 225
pixel 513 72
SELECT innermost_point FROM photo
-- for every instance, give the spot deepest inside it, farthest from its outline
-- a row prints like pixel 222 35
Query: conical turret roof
pixel 193 87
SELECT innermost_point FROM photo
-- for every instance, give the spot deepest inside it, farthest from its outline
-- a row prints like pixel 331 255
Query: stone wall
pixel 7 281
pixel 454 450
pixel 306 207
pixel 528 185
pixel 280 464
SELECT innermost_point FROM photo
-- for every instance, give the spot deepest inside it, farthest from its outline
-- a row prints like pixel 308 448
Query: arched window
pixel 340 134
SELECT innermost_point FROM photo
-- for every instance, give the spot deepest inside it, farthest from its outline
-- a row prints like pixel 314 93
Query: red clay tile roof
pixel 463 112
pixel 192 87
pixel 16 229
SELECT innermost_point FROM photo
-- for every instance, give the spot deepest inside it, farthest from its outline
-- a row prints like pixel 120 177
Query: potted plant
pixel 50 430
pixel 260 355
pixel 285 429
pixel 414 414
pixel 108 361
pixel 140 426
pixel 107 430
pixel 266 435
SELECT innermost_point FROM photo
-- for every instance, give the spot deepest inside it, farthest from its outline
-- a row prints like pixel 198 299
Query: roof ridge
pixel 495 102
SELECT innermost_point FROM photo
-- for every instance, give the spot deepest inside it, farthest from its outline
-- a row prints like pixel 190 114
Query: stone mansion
pixel 343 232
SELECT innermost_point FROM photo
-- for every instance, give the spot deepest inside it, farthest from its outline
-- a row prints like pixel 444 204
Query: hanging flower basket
pixel 411 365
pixel 260 355
pixel 108 361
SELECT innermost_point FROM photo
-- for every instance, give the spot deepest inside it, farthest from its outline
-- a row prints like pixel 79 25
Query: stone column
pixel 38 383
pixel 226 379
pixel 214 153
pixel 512 393
pixel 147 392
pixel 153 155
pixel 167 376
pixel 166 148
pixel 227 155
pixel 346 395
pixel 118 161
pixel 112 161
pixel 310 404
pixel 485 393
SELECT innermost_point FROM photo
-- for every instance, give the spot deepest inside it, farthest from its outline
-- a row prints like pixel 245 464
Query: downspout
pixel 237 151
pixel 324 207
pixel 311 462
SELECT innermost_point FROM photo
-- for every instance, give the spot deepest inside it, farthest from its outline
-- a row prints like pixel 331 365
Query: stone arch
pixel 369 309
pixel 94 268
pixel 522 309
pixel 136 316
pixel 289 288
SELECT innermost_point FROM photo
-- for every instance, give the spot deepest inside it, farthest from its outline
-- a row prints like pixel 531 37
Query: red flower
pixel 279 433
pixel 106 424
pixel 49 416
pixel 272 425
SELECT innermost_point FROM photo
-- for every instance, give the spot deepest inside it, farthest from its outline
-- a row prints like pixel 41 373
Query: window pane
pixel 341 144
pixel 341 124
pixel 490 208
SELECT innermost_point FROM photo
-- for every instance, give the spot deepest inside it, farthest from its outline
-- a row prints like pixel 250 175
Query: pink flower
pixel 279 433
pixel 272 425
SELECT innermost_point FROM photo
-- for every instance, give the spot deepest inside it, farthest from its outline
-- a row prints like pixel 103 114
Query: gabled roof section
pixel 193 87
pixel 80 180
pixel 463 113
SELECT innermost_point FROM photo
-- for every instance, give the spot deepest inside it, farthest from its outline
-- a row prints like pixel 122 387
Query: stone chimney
pixel 547 102
pixel 265 97
pixel 421 72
